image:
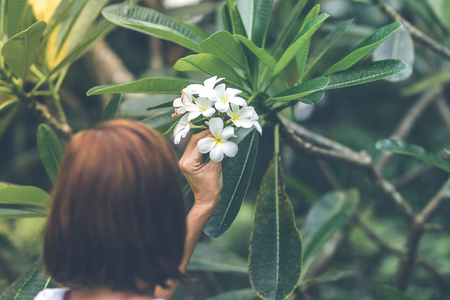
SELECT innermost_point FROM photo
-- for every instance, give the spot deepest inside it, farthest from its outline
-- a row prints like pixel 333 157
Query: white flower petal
pixel 193 88
pixel 177 102
pixel 229 148
pixel 257 126
pixel 216 126
pixel 204 102
pixel 209 112
pixel 193 115
pixel 233 92
pixel 206 144
pixel 211 82
pixel 238 100
pixel 227 132
pixel 216 154
pixel 222 107
pixel 245 123
pixel 246 113
pixel 220 89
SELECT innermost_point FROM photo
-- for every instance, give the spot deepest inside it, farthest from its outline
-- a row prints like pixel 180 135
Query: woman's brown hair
pixel 117 218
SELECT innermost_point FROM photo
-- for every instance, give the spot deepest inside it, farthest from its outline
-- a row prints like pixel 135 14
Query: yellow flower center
pixel 218 140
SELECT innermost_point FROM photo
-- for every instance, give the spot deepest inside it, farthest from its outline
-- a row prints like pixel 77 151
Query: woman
pixel 117 227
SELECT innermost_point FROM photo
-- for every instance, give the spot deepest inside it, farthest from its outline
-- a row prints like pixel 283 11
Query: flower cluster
pixel 223 110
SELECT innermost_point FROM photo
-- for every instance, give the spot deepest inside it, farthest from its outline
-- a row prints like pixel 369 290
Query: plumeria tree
pixel 251 84
pixel 247 84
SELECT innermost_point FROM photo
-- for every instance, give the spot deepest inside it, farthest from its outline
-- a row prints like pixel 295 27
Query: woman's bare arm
pixel 205 180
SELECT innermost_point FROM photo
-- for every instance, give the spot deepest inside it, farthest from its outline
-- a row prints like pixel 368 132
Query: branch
pixel 360 161
pixel 43 115
pixel 415 33
pixel 408 122
pixel 443 279
pixel 413 238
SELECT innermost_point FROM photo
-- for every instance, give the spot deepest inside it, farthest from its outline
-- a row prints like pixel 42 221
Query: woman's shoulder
pixel 51 294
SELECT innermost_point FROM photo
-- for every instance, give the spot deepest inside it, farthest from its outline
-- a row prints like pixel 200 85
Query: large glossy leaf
pixel 328 215
pixel 161 122
pixel 50 150
pixel 325 44
pixel 28 284
pixel 302 54
pixel 209 64
pixel 111 109
pixel 289 25
pixel 150 85
pixel 302 89
pixel 275 260
pixel 97 33
pixel 16 211
pixel 214 258
pixel 223 45
pixel 244 294
pixel 365 73
pixel 394 294
pixel 364 48
pixel 235 18
pixel 300 40
pixel 21 50
pixel 399 46
pixel 2 18
pixel 151 22
pixel 256 17
pixel 401 147
pixel 237 173
pixel 261 53
pixel 16 13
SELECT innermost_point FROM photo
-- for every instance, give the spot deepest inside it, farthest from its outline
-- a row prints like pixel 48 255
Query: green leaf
pixel 15 16
pixel 8 110
pixel 261 53
pixel 161 122
pixel 50 149
pixel 399 46
pixel 21 50
pixel 328 277
pixel 111 109
pixel 243 294
pixel 226 20
pixel 365 73
pixel 28 284
pixel 209 64
pixel 97 33
pixel 214 258
pixel 402 147
pixel 302 89
pixel 16 211
pixel 300 40
pixel 235 17
pixel 237 172
pixel 394 294
pixel 289 25
pixel 149 85
pixel 223 45
pixel 326 44
pixel 24 195
pixel 151 22
pixel 3 19
pixel 364 48
pixel 302 54
pixel 256 18
pixel 275 260
pixel 328 215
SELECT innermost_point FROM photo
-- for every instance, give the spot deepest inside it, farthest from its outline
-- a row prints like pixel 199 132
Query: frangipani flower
pixel 206 90
pixel 181 103
pixel 218 145
pixel 181 129
pixel 241 117
pixel 202 106
pixel 226 96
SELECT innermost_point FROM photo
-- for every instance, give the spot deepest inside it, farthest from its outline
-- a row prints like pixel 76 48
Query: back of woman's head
pixel 117 218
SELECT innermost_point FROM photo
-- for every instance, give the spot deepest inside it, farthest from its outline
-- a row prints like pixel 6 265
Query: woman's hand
pixel 205 179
